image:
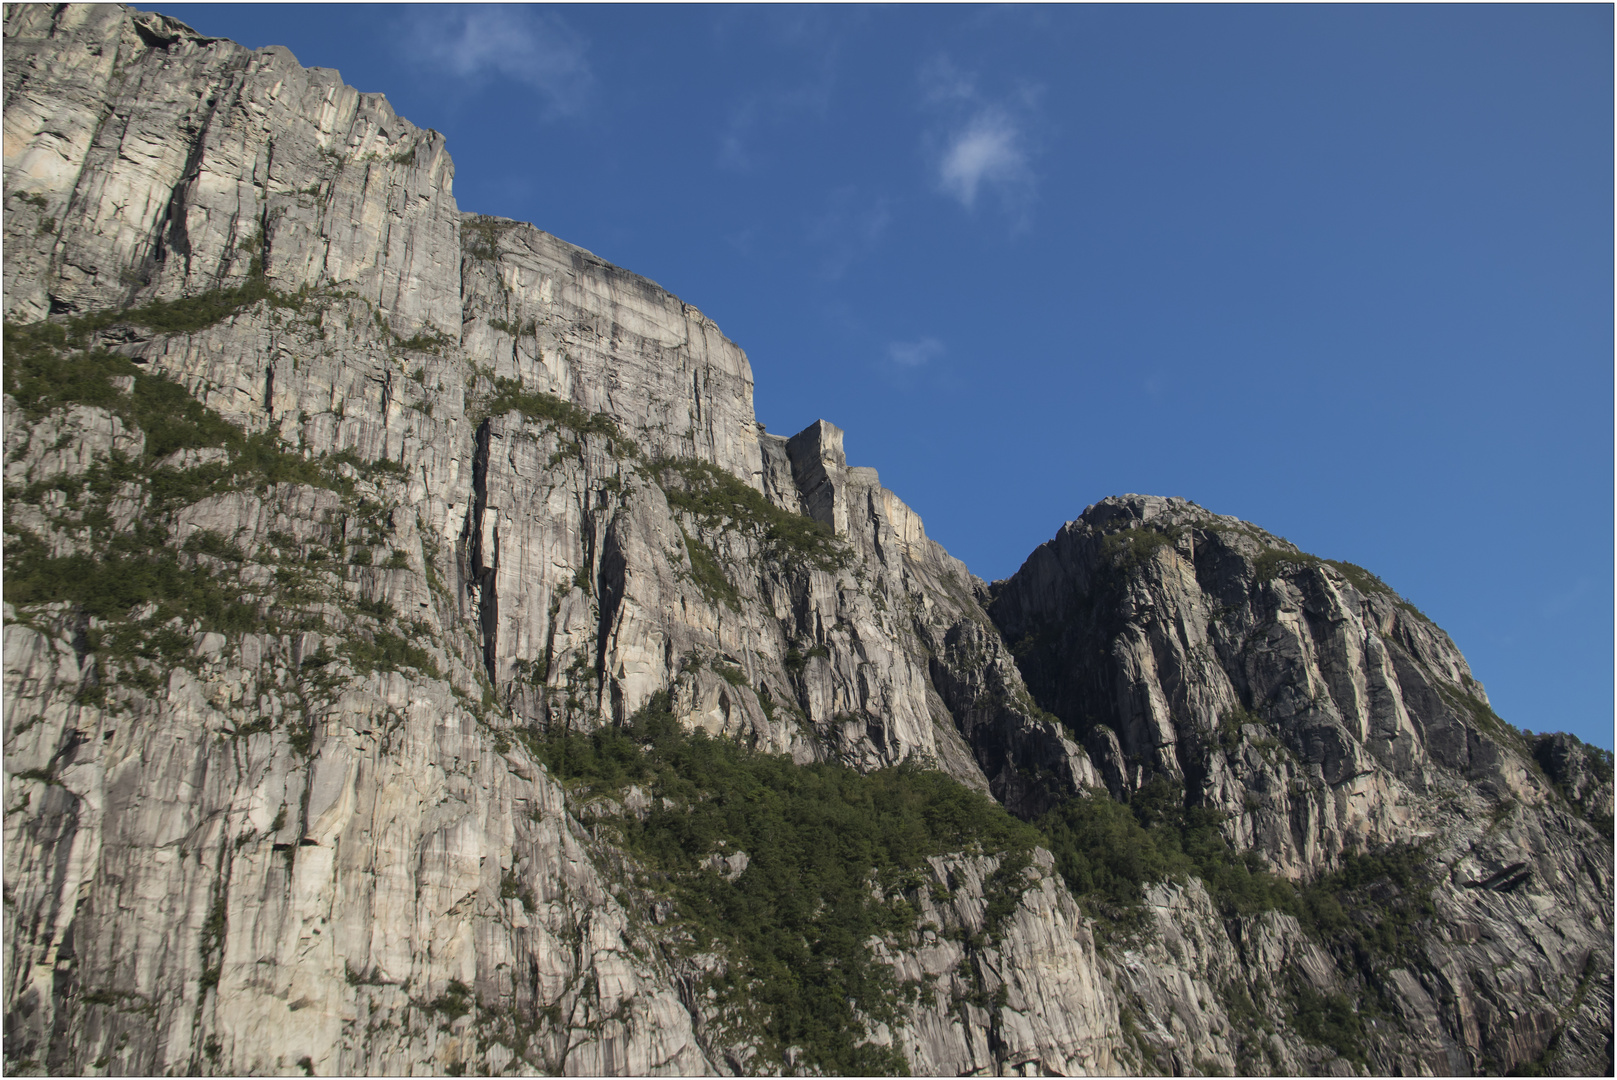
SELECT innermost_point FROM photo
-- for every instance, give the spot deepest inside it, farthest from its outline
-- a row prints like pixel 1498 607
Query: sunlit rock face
pixel 1321 715
pixel 381 498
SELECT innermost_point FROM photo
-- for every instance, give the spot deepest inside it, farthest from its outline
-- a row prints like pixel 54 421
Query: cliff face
pixel 1322 716
pixel 332 511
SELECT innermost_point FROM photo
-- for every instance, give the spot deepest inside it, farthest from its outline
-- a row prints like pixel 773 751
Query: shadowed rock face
pixel 1321 715
pixel 1182 643
pixel 478 485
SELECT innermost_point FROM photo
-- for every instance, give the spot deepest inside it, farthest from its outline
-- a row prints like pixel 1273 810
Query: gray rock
pixel 523 490
pixel 1322 715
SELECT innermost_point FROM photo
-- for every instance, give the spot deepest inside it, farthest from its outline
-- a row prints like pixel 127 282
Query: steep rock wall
pixel 380 496
pixel 315 835
pixel 1322 715
pixel 154 162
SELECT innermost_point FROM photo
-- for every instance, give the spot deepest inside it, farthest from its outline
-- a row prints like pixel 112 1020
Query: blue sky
pixel 1343 271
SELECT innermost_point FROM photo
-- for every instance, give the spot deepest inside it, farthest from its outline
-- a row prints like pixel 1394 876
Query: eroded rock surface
pixel 1321 715
pixel 275 799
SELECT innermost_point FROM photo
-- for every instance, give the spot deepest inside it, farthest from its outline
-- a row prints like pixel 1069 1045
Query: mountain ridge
pixel 507 552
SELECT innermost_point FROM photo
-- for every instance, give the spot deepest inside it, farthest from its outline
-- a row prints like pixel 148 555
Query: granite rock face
pixel 449 484
pixel 144 161
pixel 1321 715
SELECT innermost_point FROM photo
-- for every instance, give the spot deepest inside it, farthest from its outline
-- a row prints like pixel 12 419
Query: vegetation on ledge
pixel 831 856
pixel 511 396
pixel 1109 851
pixel 720 501
pixel 140 594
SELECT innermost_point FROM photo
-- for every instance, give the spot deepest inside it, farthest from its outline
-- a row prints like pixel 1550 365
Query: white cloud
pixel 981 142
pixel 477 42
pixel 988 150
pixel 914 354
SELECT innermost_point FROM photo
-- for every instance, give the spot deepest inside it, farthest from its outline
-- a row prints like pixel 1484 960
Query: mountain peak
pixel 419 659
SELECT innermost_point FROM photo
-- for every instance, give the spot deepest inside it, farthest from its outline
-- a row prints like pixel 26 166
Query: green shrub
pixel 386 466
pixel 188 314
pixel 527 329
pixel 382 466
pixel 1331 1020
pixel 300 736
pixel 1231 728
pixel 1360 578
pixel 511 396
pixel 379 609
pixel 1277 561
pixel 832 852
pixel 115 572
pixel 719 500
pixel 1132 548
pixel 1109 851
pixel 480 236
pixel 388 652
pixel 709 575
pixel 131 573
pixel 1369 910
pixel 208 542
pixel 1486 720
pixel 1104 854
pixel 429 340
pixel 43 378
pixel 41 381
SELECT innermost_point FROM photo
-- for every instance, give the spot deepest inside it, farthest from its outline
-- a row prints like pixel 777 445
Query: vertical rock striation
pixel 1320 715
pixel 330 509
pixel 145 161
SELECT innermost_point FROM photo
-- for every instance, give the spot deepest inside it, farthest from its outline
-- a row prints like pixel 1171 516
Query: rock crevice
pixel 356 504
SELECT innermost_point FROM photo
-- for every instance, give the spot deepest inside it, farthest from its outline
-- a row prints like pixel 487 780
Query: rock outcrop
pixel 1321 716
pixel 331 511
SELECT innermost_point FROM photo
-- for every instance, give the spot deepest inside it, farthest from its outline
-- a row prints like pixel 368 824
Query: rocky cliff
pixel 418 658
pixel 1321 718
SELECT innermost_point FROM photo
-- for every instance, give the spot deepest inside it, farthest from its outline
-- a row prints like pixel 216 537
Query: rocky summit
pixel 418 659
